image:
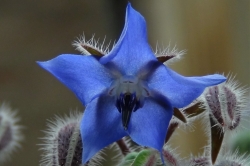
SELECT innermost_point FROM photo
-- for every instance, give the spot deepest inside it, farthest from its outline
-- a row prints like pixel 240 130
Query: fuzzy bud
pixel 10 135
pixel 225 103
pixel 200 161
pixel 63 143
pixel 170 157
pixel 234 159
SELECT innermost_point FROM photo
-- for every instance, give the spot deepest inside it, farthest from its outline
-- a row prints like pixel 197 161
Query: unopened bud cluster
pixel 225 103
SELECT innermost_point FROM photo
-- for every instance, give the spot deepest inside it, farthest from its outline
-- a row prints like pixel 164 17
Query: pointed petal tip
pixel 55 60
pixel 128 5
pixel 85 159
pixel 132 51
pixel 39 63
pixel 42 64
pixel 83 75
pixel 218 78
pixel 151 124
pixel 46 65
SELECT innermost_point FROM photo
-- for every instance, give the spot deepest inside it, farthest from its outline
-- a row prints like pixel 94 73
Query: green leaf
pixel 129 159
pixel 143 158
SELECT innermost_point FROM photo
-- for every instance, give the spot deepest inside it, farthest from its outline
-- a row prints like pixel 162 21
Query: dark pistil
pixel 126 104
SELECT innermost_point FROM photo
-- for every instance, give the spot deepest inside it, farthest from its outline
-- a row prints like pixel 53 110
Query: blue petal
pixel 101 125
pixel 132 50
pixel 180 90
pixel 148 125
pixel 84 75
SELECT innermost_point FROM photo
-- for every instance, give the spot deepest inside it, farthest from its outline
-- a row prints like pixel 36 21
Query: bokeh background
pixel 216 35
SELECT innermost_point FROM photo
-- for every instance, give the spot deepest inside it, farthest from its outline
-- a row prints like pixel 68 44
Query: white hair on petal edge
pixel 81 44
pixel 171 52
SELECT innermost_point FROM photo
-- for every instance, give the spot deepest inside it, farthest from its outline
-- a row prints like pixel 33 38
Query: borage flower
pixel 126 92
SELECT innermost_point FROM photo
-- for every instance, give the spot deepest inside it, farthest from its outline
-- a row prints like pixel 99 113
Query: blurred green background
pixel 216 35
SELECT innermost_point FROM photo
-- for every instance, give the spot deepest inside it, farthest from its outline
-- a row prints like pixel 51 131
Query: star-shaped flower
pixel 126 92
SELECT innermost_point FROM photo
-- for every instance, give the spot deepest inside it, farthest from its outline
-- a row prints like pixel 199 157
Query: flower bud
pixel 232 160
pixel 225 103
pixel 63 144
pixel 200 161
pixel 10 135
pixel 170 157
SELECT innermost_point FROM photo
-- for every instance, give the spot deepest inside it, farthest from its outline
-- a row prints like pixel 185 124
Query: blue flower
pixel 126 92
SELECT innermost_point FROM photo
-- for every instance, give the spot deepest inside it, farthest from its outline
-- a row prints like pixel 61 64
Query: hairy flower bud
pixel 63 144
pixel 10 135
pixel 225 103
pixel 234 159
pixel 171 157
pixel 200 161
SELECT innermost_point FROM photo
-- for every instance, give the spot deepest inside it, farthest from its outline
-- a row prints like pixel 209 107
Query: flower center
pixel 129 92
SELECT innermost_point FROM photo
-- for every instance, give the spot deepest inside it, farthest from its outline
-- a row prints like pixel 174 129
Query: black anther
pixel 126 104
